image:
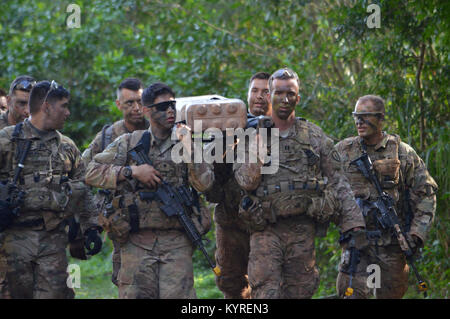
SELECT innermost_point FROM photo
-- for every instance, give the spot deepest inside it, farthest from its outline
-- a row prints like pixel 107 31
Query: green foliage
pixel 213 47
pixel 95 275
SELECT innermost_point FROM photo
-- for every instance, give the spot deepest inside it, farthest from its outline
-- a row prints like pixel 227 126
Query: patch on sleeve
pixel 335 155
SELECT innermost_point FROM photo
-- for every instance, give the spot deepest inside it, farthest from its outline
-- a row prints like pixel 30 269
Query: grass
pixel 95 281
pixel 96 272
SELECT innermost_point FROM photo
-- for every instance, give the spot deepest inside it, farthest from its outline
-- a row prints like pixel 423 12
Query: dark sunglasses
pixel 163 106
pixel 283 72
pixel 24 85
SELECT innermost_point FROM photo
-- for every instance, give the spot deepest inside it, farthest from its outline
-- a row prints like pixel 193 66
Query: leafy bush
pixel 213 47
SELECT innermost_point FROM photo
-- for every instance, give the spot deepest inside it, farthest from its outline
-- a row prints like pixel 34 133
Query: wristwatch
pixel 127 172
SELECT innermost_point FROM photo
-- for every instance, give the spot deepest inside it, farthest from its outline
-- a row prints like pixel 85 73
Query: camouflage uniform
pixel 156 261
pixel 33 259
pixel 288 207
pixel 4 120
pixel 103 138
pixel 400 171
pixel 232 237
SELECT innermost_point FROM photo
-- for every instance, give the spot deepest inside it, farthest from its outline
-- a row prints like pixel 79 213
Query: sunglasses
pixel 356 114
pixel 163 106
pixel 53 86
pixel 24 85
pixel 283 72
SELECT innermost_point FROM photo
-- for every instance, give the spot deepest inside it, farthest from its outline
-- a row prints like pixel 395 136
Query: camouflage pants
pixel 282 260
pixel 232 250
pixel 156 265
pixel 394 274
pixel 33 264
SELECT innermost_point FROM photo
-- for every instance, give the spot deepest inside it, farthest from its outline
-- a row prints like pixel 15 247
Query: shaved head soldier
pixel 403 176
pixel 284 210
pixel 129 102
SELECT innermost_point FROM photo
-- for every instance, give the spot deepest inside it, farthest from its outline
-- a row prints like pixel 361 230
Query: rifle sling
pixel 134 218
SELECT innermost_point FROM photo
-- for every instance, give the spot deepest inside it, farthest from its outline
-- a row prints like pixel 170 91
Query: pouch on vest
pixel 115 221
pixel 46 195
pixel 77 196
pixel 388 172
pixel 324 207
pixel 290 203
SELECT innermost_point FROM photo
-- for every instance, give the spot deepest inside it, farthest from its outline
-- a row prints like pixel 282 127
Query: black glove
pixel 92 236
pixel 7 216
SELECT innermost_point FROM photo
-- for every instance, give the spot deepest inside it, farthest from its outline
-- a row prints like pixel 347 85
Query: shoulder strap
pixel 145 141
pixel 106 136
pixel 17 130
pixel 22 149
pixel 15 139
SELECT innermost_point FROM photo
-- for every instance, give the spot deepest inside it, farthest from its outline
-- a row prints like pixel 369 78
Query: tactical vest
pixel 150 214
pixel 389 181
pixel 388 173
pixel 298 185
pixel 44 179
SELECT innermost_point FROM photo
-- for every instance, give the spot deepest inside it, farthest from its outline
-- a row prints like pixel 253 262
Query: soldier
pixel 128 101
pixel 3 100
pixel 17 101
pixel 258 103
pixel 403 176
pixel 36 159
pixel 283 210
pixel 156 254
pixel 232 237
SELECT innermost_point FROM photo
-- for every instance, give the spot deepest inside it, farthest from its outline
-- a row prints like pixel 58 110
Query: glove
pixel 6 216
pixel 92 236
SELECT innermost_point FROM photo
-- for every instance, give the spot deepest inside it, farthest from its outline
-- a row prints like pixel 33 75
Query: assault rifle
pixel 11 197
pixel 386 215
pixel 174 201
